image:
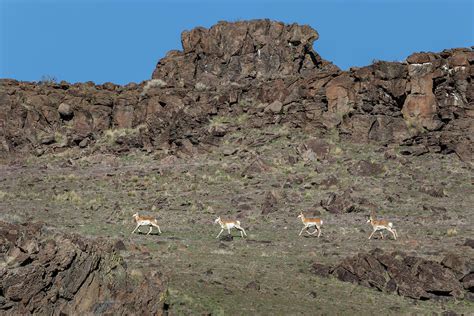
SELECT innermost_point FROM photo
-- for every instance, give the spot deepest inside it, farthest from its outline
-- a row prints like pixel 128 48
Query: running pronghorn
pixel 228 225
pixel 310 222
pixel 145 221
pixel 381 225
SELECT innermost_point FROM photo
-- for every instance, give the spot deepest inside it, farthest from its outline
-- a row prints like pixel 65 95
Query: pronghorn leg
pixel 393 233
pixel 156 225
pixel 220 233
pixel 372 234
pixel 319 231
pixel 151 228
pixel 381 234
pixel 242 231
pixel 138 225
pixel 302 230
pixel 228 230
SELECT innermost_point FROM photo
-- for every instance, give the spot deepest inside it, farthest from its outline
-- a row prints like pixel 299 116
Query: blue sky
pixel 121 41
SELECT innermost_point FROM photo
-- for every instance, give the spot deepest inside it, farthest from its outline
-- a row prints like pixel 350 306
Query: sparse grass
pixel 206 275
pixel 414 127
pixel 4 195
pixel 110 136
pixel 48 79
pixel 246 102
pixel 333 135
pixel 219 121
pixel 199 86
pixel 60 139
pixel 242 118
pixel 68 196
pixel 451 232
pixel 153 83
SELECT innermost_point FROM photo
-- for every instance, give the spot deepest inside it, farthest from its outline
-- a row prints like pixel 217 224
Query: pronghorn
pixel 381 225
pixel 310 222
pixel 228 225
pixel 145 221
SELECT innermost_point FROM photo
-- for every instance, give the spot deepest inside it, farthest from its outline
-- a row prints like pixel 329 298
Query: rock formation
pixel 405 275
pixel 241 51
pixel 49 273
pixel 265 69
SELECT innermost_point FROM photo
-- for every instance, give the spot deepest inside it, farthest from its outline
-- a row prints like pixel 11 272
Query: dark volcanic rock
pixel 267 70
pixel 253 285
pixel 366 168
pixel 50 273
pixel 433 191
pixel 319 147
pixel 347 203
pixel 226 237
pixel 405 275
pixel 469 243
pixel 230 52
pixel 270 203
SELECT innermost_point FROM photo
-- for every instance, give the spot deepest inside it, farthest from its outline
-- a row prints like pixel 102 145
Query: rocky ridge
pixel 266 71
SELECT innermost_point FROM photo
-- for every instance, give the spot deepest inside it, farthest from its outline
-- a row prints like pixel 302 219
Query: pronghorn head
pixel 369 218
pixel 217 220
pixel 135 215
pixel 301 215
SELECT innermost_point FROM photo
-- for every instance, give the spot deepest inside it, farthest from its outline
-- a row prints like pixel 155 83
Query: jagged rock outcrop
pixel 269 72
pixel 50 273
pixel 233 52
pixel 405 275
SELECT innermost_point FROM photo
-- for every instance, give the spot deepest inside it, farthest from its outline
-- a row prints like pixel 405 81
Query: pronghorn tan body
pixel 311 222
pixel 229 225
pixel 146 221
pixel 379 225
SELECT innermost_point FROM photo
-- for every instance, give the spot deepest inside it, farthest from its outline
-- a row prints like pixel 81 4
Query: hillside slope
pixel 247 122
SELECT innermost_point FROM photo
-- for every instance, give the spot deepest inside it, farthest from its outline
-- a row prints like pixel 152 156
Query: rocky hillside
pixel 50 273
pixel 247 122
pixel 265 70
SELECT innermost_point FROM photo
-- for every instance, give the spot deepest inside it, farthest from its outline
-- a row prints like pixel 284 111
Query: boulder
pixel 346 202
pixel 66 111
pixel 274 107
pixel 366 168
pixel 319 147
pixel 421 58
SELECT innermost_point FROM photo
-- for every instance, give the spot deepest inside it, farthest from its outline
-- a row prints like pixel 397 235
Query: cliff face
pixel 265 70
